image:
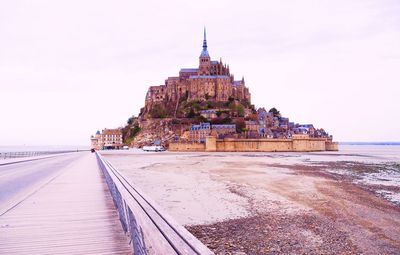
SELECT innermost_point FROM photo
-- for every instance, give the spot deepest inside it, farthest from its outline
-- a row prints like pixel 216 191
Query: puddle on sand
pixel 385 175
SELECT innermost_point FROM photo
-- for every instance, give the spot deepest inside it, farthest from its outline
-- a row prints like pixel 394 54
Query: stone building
pixel 198 132
pixel 221 130
pixel 211 80
pixel 95 141
pixel 209 114
pixel 107 139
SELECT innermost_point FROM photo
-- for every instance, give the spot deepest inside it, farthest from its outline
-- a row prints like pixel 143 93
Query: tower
pixel 204 59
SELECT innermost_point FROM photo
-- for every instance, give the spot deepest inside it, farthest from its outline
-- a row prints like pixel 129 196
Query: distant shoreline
pixel 370 143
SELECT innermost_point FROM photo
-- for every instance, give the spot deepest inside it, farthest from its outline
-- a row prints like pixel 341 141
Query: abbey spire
pixel 205 40
pixel 204 60
pixel 204 52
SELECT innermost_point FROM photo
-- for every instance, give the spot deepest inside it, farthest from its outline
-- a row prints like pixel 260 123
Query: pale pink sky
pixel 69 68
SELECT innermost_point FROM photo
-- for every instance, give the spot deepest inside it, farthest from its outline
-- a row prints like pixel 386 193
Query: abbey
pixel 212 80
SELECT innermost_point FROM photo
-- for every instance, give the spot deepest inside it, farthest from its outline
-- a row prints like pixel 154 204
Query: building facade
pixel 107 139
pixel 211 80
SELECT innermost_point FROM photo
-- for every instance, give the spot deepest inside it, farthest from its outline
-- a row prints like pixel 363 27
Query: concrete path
pixel 19 180
pixel 72 214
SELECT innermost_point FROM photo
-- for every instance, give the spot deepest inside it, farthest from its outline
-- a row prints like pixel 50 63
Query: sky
pixel 70 68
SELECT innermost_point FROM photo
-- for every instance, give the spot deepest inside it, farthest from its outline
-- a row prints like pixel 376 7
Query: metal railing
pixel 150 230
pixel 24 154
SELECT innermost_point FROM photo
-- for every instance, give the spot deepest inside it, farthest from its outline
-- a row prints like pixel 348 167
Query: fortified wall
pixel 299 143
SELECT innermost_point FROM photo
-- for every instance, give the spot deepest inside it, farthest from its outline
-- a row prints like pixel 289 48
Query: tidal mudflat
pixel 345 202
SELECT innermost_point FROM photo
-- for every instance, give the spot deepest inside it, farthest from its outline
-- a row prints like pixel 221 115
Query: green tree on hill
pixel 275 112
pixel 240 126
pixel 158 111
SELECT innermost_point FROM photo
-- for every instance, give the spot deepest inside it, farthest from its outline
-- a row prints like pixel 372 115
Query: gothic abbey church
pixel 210 81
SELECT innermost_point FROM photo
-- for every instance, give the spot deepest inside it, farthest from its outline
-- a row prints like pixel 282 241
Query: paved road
pixel 71 214
pixel 20 180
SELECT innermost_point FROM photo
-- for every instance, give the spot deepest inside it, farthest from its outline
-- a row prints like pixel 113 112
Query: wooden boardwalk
pixel 73 214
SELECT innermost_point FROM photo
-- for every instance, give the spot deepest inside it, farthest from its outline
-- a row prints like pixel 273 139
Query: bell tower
pixel 204 60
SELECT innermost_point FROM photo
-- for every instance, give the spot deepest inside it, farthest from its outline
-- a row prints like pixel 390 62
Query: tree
pixel 220 120
pixel 240 110
pixel 130 120
pixel 275 112
pixel 158 111
pixel 200 119
pixel 191 113
pixel 240 125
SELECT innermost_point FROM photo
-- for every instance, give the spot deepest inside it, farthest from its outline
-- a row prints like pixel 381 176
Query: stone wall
pixel 231 144
pixel 331 146
pixel 187 147
pixel 297 143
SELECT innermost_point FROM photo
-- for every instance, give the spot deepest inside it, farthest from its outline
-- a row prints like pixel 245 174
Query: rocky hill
pixel 159 123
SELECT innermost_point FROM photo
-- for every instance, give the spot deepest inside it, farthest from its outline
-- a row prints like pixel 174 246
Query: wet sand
pixel 342 202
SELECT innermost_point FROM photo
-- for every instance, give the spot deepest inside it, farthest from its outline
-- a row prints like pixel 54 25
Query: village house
pixel 198 132
pixel 223 130
pixel 209 114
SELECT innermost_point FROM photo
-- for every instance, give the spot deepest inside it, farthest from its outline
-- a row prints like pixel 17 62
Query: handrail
pixel 24 154
pixel 151 230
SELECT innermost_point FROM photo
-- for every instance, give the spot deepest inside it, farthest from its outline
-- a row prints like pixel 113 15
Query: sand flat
pixel 266 203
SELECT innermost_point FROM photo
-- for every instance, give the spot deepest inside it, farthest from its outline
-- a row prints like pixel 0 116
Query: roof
pixel 189 70
pixel 251 122
pixel 237 83
pixel 217 126
pixel 207 111
pixel 208 76
pixel 306 125
pixel 111 132
pixel 204 53
pixel 200 126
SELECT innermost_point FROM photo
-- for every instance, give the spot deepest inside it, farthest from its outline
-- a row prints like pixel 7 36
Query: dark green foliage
pixel 240 125
pixel 129 132
pixel 275 112
pixel 135 130
pixel 246 103
pixel 191 113
pixel 240 110
pixel 219 120
pixel 211 104
pixel 200 118
pixel 175 121
pixel 158 112
pixel 130 120
pixel 237 109
pixel 141 111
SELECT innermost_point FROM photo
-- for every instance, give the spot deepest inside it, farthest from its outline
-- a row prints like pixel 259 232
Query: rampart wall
pixel 299 144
